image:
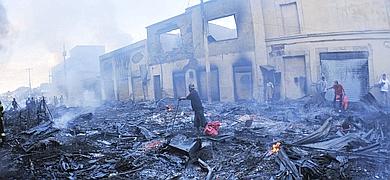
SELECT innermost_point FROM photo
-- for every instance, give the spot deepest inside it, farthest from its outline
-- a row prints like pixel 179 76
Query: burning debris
pixel 130 141
pixel 276 148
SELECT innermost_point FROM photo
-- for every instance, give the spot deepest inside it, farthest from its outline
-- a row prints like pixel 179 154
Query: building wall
pixel 222 54
pixel 107 79
pixel 327 16
pixel 155 47
pixel 128 77
pixel 338 26
pixel 376 48
pixel 241 9
pixel 287 36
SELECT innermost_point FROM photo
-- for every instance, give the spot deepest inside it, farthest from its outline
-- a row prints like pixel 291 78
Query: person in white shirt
pixel 270 92
pixel 322 87
pixel 384 85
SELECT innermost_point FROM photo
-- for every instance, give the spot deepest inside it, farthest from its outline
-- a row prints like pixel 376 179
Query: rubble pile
pixel 156 140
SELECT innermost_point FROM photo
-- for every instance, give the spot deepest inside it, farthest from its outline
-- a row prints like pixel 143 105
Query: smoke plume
pixel 3 25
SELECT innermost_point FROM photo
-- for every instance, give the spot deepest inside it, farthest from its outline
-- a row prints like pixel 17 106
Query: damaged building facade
pixel 124 73
pixel 291 43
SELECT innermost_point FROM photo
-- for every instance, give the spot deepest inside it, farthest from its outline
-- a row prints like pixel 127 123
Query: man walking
pixel 197 107
pixel 14 104
pixel 384 88
pixel 338 95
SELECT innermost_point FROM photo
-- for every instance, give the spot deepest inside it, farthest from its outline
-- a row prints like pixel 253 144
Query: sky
pixel 33 32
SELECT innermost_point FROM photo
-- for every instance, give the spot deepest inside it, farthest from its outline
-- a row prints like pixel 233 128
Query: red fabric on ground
pixel 212 128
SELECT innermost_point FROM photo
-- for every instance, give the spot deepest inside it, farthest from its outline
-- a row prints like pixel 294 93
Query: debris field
pixel 156 140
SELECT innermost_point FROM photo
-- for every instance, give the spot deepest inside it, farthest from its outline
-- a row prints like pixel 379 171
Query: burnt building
pixel 291 43
pixel 232 55
pixel 124 73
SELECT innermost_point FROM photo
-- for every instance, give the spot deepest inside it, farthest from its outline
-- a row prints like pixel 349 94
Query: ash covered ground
pixel 128 140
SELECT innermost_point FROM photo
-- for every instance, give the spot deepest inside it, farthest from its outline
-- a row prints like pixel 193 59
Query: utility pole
pixel 65 74
pixel 50 77
pixel 205 30
pixel 29 79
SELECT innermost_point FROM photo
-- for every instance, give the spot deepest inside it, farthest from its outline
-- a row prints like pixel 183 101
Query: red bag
pixel 212 128
pixel 345 102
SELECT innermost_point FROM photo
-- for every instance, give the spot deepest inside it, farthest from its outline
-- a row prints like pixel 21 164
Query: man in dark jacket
pixel 15 105
pixel 197 107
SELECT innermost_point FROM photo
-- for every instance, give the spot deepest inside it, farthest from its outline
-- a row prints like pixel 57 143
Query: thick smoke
pixel 3 25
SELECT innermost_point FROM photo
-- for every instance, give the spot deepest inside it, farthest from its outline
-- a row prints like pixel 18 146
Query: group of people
pixel 58 101
pixel 31 104
pixel 38 106
pixel 339 92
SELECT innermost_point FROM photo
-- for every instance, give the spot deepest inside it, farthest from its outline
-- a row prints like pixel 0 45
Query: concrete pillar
pixel 115 79
pixel 260 47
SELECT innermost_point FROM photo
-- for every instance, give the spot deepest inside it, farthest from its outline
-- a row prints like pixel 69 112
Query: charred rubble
pixel 155 140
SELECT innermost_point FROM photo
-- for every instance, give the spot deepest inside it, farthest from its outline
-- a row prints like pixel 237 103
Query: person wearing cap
pixel 197 107
pixel 2 132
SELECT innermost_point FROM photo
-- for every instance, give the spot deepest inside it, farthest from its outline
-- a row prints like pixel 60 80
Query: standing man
pixel 61 100
pixel 33 104
pixel 270 92
pixel 322 88
pixel 15 105
pixel 197 107
pixel 384 85
pixel 338 95
pixel 2 131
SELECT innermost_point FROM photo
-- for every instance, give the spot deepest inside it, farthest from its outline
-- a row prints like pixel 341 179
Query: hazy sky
pixel 32 32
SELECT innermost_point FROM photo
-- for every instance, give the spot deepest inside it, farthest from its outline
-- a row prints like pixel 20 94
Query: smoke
pixel 75 22
pixel 63 121
pixel 36 31
pixel 4 25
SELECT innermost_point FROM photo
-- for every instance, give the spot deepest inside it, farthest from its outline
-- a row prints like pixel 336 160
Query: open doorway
pixel 243 83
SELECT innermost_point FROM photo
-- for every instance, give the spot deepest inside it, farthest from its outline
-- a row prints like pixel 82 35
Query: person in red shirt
pixel 338 95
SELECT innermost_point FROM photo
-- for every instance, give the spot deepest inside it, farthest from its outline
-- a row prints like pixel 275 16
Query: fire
pixel 276 148
pixel 169 108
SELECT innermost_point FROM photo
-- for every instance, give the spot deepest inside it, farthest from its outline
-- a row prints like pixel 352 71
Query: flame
pixel 169 108
pixel 276 148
